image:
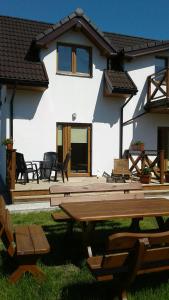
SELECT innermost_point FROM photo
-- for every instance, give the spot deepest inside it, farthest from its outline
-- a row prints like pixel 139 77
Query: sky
pixel 146 18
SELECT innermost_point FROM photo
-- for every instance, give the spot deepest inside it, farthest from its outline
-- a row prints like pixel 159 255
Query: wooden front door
pixel 76 139
pixel 163 144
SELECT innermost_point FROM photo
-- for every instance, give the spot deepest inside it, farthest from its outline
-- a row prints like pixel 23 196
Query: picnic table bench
pixel 26 244
pixel 128 255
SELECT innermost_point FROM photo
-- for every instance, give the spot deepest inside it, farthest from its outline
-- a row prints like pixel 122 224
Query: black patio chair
pixel 61 167
pixel 24 168
pixel 49 159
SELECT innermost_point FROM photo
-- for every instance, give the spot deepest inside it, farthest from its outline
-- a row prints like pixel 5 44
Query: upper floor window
pixel 75 60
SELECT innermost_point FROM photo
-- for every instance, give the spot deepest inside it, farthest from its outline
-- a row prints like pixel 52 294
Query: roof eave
pixel 32 83
pixel 124 91
pixel 142 52
pixel 83 25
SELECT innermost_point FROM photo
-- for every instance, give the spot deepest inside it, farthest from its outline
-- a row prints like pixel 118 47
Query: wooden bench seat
pixel 25 244
pixel 130 254
pixel 30 240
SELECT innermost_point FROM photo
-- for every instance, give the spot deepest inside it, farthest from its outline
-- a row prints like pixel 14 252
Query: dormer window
pixel 74 60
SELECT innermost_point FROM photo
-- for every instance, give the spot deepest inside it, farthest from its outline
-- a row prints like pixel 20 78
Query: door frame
pixel 66 140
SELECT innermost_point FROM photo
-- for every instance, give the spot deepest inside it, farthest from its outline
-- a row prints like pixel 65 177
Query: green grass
pixel 67 276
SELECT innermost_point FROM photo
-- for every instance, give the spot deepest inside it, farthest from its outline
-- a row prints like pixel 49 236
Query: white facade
pixel 36 113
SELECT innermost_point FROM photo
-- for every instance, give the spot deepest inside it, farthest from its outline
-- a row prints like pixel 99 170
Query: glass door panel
pixel 75 138
pixel 79 150
pixel 60 142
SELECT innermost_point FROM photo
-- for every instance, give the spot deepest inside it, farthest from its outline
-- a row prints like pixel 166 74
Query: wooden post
pixel 161 166
pixel 142 154
pixel 149 90
pixel 11 168
pixel 167 82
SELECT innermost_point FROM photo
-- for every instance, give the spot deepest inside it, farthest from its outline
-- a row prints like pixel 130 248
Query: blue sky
pixel 148 18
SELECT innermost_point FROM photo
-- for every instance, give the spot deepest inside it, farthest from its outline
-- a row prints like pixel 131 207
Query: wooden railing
pixel 150 158
pixel 158 85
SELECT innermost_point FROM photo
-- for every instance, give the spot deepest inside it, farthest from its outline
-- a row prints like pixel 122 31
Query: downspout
pixel 121 125
pixel 0 96
pixel 11 112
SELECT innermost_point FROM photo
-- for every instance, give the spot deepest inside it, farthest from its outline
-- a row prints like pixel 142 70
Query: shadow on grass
pixel 68 246
pixel 7 264
pixel 156 282
pixel 88 291
pixel 106 290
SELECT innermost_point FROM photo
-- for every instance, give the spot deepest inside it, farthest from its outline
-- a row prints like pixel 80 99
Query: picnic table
pixel 106 210
pixel 90 212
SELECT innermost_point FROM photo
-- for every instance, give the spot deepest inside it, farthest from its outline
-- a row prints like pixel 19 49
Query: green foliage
pixel 146 171
pixel 139 142
pixel 7 141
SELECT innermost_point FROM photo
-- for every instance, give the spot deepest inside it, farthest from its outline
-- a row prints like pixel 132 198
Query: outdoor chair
pixel 61 167
pixel 128 255
pixel 24 168
pixel 24 244
pixel 49 159
pixel 121 170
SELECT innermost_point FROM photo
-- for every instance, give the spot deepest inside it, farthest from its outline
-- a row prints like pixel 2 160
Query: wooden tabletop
pixel 104 210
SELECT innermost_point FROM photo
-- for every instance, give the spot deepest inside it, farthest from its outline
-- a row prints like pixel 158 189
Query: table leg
pixel 167 224
pixel 135 226
pixel 87 231
pixel 161 223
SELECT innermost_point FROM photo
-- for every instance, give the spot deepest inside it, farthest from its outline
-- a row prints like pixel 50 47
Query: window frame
pixel 74 61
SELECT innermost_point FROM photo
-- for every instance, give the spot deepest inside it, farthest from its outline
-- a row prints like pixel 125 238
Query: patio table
pixel 89 212
pixel 44 168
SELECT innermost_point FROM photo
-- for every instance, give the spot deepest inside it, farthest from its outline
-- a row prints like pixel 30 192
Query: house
pixel 71 87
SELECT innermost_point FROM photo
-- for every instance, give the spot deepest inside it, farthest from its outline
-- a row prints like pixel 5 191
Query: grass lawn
pixel 67 276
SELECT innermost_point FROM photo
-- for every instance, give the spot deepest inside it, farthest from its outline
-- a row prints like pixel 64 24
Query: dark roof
pixel 126 42
pixel 15 39
pixel 119 81
pixel 135 46
pixel 19 56
pixel 148 49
